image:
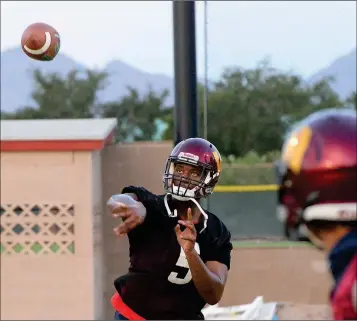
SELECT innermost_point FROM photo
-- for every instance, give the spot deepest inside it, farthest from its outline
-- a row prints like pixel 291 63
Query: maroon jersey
pixel 159 284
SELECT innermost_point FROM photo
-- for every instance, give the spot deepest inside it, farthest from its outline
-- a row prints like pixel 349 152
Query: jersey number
pixel 181 273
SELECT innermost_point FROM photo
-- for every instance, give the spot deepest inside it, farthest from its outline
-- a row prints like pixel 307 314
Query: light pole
pixel 185 111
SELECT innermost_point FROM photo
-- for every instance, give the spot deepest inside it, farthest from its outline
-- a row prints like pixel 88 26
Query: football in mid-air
pixel 41 41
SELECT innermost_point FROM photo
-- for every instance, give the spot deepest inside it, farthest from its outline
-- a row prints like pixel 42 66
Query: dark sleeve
pixel 152 202
pixel 144 196
pixel 221 246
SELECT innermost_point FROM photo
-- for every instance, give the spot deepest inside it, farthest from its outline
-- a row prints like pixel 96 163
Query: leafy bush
pixel 251 169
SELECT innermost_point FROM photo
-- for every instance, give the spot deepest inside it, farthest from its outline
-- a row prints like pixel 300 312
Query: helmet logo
pixel 295 148
pixel 188 157
pixel 347 215
pixel 218 160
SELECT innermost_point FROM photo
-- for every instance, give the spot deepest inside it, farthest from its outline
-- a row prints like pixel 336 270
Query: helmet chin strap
pixel 174 214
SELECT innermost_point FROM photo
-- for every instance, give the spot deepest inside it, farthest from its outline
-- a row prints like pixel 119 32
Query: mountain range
pixel 17 83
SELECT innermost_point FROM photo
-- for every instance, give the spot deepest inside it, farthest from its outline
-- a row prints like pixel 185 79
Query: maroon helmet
pixel 318 167
pixel 199 153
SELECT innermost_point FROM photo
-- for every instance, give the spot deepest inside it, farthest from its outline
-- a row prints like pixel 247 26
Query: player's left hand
pixel 186 238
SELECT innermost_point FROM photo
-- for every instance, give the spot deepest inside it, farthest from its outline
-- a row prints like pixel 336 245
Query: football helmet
pixel 202 155
pixel 318 167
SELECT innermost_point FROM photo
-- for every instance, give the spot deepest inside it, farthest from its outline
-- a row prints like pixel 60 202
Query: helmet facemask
pixel 184 188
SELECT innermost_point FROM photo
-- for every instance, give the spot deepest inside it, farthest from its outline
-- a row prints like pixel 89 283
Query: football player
pixel 318 170
pixel 179 252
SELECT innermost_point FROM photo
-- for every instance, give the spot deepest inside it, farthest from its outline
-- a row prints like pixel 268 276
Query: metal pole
pixel 185 111
pixel 205 93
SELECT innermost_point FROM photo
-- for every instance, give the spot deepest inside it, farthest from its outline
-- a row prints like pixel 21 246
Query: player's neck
pixel 333 238
pixel 182 207
pixel 196 213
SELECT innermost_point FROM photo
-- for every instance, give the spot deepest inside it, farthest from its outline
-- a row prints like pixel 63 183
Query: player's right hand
pixel 132 212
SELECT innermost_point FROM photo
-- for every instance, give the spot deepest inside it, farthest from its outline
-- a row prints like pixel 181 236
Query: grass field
pixel 269 244
pixel 244 188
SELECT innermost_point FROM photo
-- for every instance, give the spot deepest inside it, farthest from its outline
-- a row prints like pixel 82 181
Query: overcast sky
pixel 302 36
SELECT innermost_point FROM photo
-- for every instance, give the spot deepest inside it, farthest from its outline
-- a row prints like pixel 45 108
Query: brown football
pixel 40 41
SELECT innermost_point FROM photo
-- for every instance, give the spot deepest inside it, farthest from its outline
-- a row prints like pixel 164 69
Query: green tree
pixel 72 96
pixel 137 115
pixel 252 109
pixel 352 100
pixel 23 113
pixel 75 96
